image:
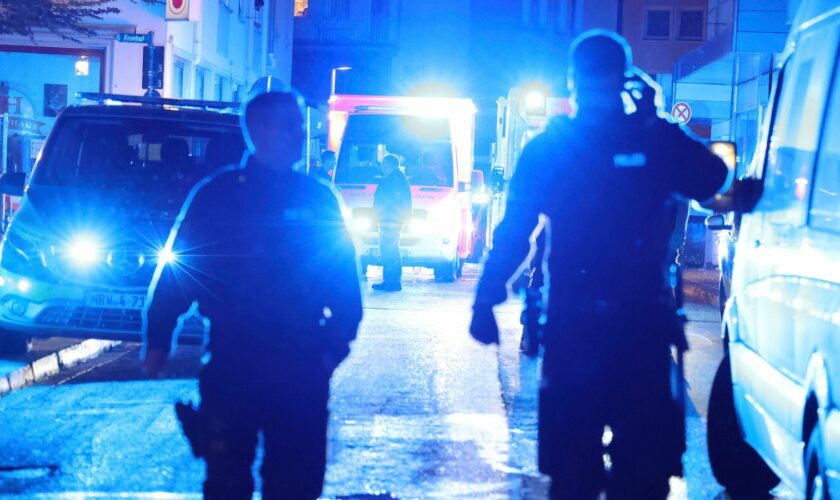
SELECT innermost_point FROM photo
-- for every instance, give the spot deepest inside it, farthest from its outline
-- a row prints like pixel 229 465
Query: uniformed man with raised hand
pixel 607 180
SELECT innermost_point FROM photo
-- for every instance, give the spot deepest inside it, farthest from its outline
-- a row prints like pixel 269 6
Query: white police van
pixel 79 254
pixel 774 411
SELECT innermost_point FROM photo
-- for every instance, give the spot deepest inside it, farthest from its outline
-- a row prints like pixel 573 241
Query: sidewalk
pixel 45 359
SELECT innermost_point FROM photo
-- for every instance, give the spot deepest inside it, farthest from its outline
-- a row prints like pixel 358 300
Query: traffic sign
pixel 681 113
pixel 133 37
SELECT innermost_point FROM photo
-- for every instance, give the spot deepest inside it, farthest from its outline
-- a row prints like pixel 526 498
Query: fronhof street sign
pixel 177 10
pixel 681 113
pixel 132 37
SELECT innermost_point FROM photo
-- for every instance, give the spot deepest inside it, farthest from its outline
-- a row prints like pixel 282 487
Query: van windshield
pixel 423 144
pixel 135 154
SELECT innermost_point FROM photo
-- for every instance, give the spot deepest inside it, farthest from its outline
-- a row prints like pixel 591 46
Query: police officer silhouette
pixel 607 180
pixel 251 247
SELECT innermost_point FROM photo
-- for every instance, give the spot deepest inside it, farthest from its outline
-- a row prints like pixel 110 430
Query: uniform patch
pixel 630 160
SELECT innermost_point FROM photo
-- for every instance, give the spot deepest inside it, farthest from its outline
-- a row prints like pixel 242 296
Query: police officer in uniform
pixel 392 203
pixel 607 181
pixel 251 248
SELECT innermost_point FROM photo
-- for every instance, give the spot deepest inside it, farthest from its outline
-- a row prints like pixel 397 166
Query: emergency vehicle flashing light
pixel 84 251
pixel 166 256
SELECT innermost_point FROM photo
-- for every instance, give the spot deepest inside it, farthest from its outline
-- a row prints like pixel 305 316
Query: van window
pixel 423 145
pixel 793 142
pixel 825 207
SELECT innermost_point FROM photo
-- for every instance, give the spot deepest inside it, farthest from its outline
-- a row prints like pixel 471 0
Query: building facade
pixel 461 48
pixel 215 55
pixel 727 80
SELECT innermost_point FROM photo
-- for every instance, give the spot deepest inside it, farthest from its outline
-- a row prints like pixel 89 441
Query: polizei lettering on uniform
pixel 629 160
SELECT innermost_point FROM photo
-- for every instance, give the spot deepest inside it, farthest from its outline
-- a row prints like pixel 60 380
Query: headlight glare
pixel 166 256
pixel 362 224
pixel 84 251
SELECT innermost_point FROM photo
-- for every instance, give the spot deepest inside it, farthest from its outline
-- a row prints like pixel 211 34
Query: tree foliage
pixel 62 17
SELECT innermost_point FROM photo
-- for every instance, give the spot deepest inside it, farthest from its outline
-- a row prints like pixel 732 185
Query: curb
pixel 52 363
pixel 701 295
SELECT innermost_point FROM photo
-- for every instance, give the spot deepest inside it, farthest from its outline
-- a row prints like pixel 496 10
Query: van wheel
pixel 448 272
pixel 735 464
pixel 14 343
pixel 815 468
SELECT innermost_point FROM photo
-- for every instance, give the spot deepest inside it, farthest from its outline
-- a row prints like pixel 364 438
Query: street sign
pixel 681 113
pixel 133 37
pixel 157 65
pixel 177 10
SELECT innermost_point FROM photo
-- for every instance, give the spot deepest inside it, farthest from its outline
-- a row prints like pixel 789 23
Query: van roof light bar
pixel 158 101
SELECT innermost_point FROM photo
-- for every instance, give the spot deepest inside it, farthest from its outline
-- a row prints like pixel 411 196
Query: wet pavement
pixel 419 410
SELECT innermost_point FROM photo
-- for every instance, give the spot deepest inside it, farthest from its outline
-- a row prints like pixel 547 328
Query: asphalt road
pixel 419 410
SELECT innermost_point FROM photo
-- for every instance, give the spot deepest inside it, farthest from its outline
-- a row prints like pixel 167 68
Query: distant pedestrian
pixel 607 180
pixel 324 170
pixel 392 204
pixel 274 270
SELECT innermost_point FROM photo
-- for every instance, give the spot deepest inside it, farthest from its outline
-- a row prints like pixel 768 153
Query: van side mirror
pixel 717 222
pixel 477 180
pixel 12 183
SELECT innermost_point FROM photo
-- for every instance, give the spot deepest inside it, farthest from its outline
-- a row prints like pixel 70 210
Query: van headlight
pixel 166 256
pixel 362 223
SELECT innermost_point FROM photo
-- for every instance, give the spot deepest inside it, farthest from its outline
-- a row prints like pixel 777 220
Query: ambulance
pixel 521 116
pixel 434 138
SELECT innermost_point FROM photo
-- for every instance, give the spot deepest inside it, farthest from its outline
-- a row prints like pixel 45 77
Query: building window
pixel 219 90
pixel 200 75
pixel 658 25
pixel 691 25
pixel 223 31
pixel 301 8
pixel 340 8
pixel 179 79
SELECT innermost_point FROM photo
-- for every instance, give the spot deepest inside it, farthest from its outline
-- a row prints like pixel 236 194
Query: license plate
pixel 374 252
pixel 115 300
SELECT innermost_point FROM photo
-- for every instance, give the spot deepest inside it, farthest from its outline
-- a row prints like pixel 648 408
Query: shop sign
pixel 20 110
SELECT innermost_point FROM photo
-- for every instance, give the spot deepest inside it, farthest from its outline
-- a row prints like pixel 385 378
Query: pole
pixel 308 138
pixel 150 89
pixel 4 145
pixel 332 81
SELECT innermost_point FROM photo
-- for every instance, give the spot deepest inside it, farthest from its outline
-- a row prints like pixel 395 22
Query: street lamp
pixel 334 71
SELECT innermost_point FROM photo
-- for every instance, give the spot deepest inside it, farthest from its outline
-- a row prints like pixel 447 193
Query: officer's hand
pixel 155 361
pixel 483 327
pixel 644 91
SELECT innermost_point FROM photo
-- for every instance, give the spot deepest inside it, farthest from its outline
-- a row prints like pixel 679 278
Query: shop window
pixel 691 25
pixel 825 207
pixel 301 8
pixel 658 25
